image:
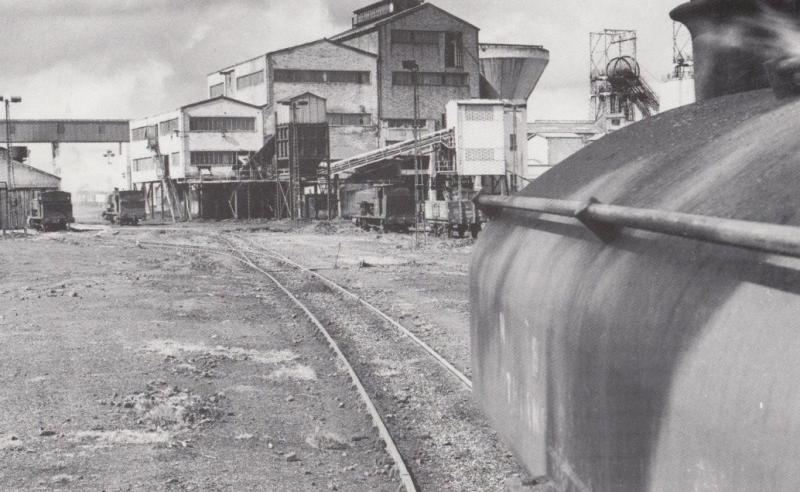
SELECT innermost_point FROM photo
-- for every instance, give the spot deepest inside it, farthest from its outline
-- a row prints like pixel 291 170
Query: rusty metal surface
pixel 650 362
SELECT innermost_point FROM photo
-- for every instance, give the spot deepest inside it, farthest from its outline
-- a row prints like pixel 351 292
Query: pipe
pixel 755 236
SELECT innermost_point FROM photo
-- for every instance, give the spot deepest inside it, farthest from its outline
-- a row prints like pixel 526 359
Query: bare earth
pixel 129 368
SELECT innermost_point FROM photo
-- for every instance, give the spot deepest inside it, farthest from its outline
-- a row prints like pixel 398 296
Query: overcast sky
pixel 130 58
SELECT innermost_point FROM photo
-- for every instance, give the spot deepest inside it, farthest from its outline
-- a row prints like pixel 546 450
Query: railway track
pixel 432 432
pixel 439 358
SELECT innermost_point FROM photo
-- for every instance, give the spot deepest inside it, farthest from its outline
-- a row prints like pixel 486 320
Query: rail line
pixel 241 255
pixel 441 360
pixel 262 251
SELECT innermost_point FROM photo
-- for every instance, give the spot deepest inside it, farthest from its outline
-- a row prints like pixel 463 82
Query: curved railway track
pixel 432 426
pixel 242 256
pixel 439 358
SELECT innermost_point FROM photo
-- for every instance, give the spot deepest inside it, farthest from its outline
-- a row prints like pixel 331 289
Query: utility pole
pixel 9 163
pixel 419 197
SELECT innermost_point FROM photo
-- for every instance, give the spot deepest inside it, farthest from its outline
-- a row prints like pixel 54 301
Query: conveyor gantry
pixel 441 137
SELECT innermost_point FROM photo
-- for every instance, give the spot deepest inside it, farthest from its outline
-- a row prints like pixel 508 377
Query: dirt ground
pixel 129 368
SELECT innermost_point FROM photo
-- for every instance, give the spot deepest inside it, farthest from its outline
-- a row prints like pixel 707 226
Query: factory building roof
pixel 564 127
pixel 27 176
pixel 295 47
pixel 365 28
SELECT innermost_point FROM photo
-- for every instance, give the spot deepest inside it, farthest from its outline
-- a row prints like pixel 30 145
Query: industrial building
pixel 204 143
pixel 552 141
pixel 393 72
pixel 19 184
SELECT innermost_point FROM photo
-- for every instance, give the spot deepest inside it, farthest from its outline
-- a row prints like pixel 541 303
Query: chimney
pixel 731 46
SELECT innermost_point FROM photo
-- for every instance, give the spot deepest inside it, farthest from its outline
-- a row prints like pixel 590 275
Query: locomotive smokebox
pixel 734 39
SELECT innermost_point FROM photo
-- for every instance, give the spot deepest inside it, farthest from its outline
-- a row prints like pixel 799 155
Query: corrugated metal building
pixel 15 198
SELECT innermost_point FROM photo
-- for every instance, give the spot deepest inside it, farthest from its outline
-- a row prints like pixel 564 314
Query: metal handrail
pixel 605 220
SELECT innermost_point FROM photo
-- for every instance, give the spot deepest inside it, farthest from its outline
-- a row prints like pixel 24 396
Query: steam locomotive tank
pixel 652 362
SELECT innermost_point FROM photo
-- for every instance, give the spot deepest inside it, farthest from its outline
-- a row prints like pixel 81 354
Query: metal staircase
pixel 441 137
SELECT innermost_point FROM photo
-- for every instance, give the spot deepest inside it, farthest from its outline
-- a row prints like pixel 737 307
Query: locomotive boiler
pixel 636 310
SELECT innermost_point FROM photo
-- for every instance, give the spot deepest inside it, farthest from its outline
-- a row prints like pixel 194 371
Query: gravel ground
pixel 445 440
pixel 138 369
pixel 188 299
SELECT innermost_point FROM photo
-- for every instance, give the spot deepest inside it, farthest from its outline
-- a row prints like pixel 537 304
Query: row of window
pixel 167 127
pixel 407 36
pixel 349 119
pixel 145 164
pixel 322 76
pixel 213 158
pixel 222 123
pixel 431 79
pixel 197 124
pixel 368 14
pixel 405 123
pixel 143 133
pixel 250 80
pixel 201 158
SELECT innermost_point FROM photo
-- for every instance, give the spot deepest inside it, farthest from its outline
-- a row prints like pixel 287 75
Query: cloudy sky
pixel 129 58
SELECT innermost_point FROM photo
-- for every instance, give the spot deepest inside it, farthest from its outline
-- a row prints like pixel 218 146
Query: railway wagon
pixel 454 217
pixel 125 207
pixel 50 211
pixel 383 207
pixel 635 309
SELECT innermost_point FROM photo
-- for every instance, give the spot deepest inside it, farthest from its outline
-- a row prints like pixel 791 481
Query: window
pixel 322 76
pixel 347 77
pixel 479 113
pixel 453 50
pixel 12 129
pixel 167 127
pixel 222 123
pixel 101 129
pixel 138 134
pixel 415 37
pixel 213 158
pixel 405 123
pixel 216 90
pixel 431 79
pixel 250 80
pixel 311 76
pixel 372 12
pixel 60 128
pixel 479 154
pixel 349 119
pixel 282 143
pixel 144 164
pixel 513 141
pixel 143 133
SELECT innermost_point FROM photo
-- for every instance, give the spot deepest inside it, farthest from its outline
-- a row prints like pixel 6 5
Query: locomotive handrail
pixel 605 220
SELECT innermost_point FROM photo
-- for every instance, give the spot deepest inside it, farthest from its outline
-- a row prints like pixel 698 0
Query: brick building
pixel 360 74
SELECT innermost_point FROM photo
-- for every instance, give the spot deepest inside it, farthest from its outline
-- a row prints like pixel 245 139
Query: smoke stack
pixel 732 42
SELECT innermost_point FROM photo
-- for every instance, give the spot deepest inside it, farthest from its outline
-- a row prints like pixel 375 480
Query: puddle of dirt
pixel 296 372
pixel 174 348
pixel 123 436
